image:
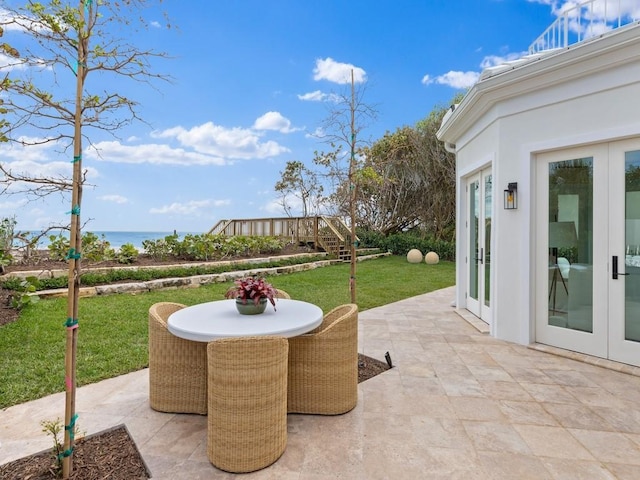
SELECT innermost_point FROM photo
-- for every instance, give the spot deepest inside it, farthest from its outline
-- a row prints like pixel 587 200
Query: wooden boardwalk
pixel 326 233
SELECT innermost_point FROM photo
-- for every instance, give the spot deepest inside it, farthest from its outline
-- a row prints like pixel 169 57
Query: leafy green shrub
pixel 7 227
pixel 401 243
pixel 127 253
pixel 94 248
pixel 162 248
pixel 199 247
pixel 54 428
pixel 21 297
pixel 207 247
pixel 58 247
pixel 5 260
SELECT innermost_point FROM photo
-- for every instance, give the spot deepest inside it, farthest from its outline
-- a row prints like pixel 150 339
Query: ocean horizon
pixel 118 238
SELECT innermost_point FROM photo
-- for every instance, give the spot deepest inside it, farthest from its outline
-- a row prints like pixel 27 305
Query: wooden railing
pixel 321 232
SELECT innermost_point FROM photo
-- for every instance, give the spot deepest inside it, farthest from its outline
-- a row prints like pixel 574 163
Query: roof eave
pixel 487 92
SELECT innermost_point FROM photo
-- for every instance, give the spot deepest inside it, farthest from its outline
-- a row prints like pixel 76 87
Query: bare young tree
pixel 47 93
pixel 343 127
pixel 40 81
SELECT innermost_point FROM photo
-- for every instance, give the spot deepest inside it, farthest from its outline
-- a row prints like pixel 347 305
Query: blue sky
pixel 252 81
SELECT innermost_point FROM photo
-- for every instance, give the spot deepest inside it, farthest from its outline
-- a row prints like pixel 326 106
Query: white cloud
pixel 41 161
pixel 493 60
pixel 274 121
pixel 336 72
pixel 114 198
pixel 211 139
pixel 318 96
pixel 598 10
pixel 12 206
pixel 206 144
pixel 317 133
pixel 28 148
pixel 155 24
pixel 194 207
pixel 455 79
pixel 154 153
pixel 38 161
pixel 12 22
pixel 463 80
pixel 273 207
pixel 9 64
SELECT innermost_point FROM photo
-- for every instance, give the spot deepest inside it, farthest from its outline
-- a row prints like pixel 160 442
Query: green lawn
pixel 112 338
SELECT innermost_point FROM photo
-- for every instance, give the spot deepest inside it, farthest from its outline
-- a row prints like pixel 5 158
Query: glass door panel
pixel 479 204
pixel 570 241
pixel 474 238
pixel 487 201
pixel 624 251
pixel 632 246
pixel 571 253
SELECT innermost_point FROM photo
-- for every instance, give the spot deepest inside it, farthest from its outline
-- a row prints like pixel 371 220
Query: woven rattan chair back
pixel 323 365
pixel 247 422
pixel 177 367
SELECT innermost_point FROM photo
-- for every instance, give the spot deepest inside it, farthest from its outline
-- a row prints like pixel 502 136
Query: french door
pixel 587 246
pixel 479 208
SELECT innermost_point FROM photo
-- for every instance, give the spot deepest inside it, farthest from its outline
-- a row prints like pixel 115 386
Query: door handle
pixel 614 268
pixel 481 256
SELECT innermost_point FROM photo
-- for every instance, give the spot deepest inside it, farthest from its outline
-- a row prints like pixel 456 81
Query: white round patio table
pixel 220 319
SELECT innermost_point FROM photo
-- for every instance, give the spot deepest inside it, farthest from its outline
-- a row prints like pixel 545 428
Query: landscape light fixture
pixel 511 196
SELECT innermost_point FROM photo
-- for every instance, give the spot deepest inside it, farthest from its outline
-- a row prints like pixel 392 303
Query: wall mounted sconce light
pixel 511 196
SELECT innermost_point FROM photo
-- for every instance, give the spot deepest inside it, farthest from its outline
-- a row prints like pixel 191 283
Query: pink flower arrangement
pixel 252 288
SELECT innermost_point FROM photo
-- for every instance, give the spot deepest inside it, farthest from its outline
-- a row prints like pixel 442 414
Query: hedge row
pixel 401 243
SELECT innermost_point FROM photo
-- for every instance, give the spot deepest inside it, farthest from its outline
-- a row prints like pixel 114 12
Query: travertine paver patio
pixel 457 404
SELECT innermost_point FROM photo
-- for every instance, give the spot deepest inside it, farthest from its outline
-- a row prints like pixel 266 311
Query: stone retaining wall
pixel 196 280
pixel 44 273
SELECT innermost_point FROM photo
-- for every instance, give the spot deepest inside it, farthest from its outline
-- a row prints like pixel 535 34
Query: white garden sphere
pixel 431 258
pixel 414 256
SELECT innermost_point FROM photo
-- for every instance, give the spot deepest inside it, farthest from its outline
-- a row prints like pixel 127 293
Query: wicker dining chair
pixel 177 367
pixel 323 365
pixel 247 420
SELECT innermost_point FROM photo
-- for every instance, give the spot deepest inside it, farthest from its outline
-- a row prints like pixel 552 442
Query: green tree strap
pixel 75 210
pixel 71 427
pixel 73 254
pixel 65 454
pixel 76 158
pixel 71 322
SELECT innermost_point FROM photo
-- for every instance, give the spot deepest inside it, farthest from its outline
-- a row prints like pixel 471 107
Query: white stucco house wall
pixel 564 125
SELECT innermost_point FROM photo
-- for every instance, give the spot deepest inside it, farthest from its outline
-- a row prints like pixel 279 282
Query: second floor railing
pixel 588 19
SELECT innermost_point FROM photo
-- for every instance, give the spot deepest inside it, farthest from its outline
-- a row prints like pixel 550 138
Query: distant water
pixel 117 239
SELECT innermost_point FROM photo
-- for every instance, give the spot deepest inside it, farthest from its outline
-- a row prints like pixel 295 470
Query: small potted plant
pixel 251 294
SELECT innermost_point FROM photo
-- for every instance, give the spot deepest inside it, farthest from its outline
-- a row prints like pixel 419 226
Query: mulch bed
pixel 110 454
pixel 370 367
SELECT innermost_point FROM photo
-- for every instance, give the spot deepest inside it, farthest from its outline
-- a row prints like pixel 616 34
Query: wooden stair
pixel 322 233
